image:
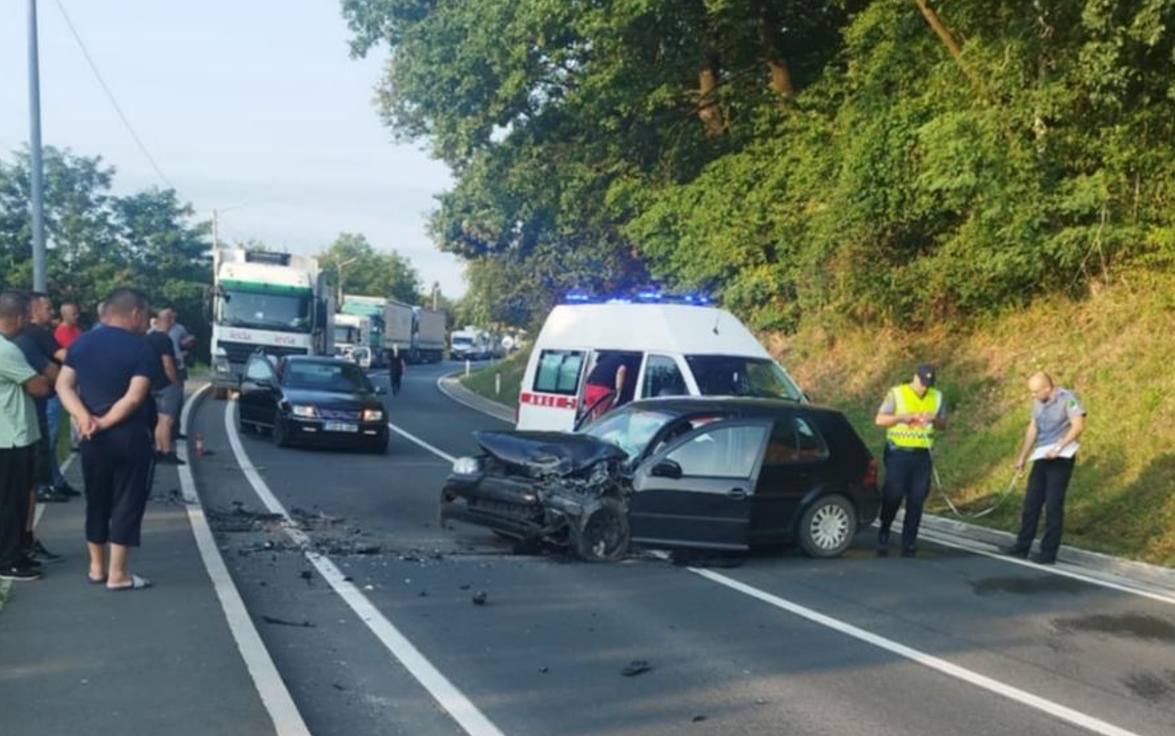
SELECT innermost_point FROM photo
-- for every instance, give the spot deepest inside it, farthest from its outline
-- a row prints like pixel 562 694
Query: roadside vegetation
pixel 1110 348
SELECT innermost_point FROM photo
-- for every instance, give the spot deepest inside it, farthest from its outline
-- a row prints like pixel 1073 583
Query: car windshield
pixel 725 375
pixel 629 428
pixel 323 376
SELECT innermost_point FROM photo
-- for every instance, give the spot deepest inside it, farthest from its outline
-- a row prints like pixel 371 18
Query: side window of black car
pixel 795 439
pixel 723 452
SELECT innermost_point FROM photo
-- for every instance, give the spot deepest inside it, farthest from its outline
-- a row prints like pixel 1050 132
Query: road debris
pixel 636 667
pixel 480 597
pixel 282 622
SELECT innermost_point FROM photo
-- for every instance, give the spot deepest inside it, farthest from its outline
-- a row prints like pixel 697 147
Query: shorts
pixel 170 400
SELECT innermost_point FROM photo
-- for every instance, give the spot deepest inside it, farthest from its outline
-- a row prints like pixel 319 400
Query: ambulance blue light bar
pixel 641 297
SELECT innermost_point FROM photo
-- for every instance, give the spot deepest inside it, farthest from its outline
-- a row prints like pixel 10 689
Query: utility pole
pixel 215 242
pixel 36 165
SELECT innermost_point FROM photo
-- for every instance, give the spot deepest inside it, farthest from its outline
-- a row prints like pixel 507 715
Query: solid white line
pixel 1060 568
pixel 274 694
pixel 422 443
pixel 452 700
pixel 974 678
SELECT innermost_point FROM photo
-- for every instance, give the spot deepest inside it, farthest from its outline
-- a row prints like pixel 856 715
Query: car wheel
pixel 827 526
pixel 602 536
pixel 279 431
pixel 220 393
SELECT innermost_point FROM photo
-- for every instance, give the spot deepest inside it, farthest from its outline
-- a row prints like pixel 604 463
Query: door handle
pixel 738 494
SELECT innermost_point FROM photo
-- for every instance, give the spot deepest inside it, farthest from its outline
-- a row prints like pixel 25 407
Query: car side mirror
pixel 666 469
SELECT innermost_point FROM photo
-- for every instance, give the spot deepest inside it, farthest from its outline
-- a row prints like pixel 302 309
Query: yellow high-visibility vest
pixel 907 402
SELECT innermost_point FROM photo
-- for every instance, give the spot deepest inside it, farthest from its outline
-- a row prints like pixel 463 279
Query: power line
pixel 110 96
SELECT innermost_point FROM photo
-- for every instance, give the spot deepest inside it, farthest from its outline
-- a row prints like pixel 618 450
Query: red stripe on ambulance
pixel 558 402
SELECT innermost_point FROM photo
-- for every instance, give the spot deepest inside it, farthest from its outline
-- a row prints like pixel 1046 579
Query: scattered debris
pixel 282 622
pixel 544 670
pixel 306 575
pixel 698 718
pixel 636 667
pixel 480 597
pixel 467 586
pixel 338 687
pixel 423 594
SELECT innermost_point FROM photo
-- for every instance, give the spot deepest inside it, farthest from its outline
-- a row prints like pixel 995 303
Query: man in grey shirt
pixel 183 341
pixel 1058 419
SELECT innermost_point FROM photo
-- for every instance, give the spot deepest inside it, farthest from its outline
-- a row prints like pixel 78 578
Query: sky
pixel 252 108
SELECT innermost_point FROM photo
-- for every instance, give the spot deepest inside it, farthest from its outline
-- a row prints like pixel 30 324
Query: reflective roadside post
pixel 497 383
pixel 467 366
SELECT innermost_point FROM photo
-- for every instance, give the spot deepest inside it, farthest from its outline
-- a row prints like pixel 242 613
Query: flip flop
pixel 136 583
pixel 96 581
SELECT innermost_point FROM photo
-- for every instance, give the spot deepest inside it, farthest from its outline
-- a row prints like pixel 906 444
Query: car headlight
pixel 373 415
pixel 303 410
pixel 466 466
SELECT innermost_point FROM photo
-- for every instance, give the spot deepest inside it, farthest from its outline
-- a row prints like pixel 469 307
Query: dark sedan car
pixel 303 399
pixel 711 473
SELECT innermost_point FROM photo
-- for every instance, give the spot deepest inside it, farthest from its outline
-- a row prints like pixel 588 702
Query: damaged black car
pixel 686 472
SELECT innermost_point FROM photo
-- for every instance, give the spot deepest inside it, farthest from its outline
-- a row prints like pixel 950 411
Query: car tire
pixel 220 393
pixel 827 526
pixel 603 535
pixel 280 438
pixel 243 427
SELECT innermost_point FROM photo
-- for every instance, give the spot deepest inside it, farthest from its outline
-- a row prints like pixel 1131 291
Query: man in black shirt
pixel 168 389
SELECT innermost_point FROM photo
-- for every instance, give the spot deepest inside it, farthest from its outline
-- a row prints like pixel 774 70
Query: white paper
pixel 1068 450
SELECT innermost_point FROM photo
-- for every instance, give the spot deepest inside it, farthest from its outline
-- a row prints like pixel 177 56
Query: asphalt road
pixel 366 608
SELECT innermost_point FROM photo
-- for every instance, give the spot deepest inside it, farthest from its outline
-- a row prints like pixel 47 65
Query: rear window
pixel 558 372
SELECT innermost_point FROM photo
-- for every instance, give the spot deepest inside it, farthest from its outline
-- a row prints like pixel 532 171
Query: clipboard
pixel 1067 451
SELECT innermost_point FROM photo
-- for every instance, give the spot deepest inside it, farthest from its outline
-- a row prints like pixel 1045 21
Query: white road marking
pixel 1060 568
pixel 287 721
pixel 974 678
pixel 422 443
pixel 452 700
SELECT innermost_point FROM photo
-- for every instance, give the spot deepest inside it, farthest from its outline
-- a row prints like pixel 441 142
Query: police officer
pixel 910 413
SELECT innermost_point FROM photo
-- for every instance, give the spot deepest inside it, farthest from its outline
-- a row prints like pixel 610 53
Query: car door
pixel 697 491
pixel 259 391
pixel 793 466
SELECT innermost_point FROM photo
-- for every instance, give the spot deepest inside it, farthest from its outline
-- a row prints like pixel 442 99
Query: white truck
pixel 353 338
pixel 371 307
pixel 471 343
pixel 398 321
pixel 428 335
pixel 279 303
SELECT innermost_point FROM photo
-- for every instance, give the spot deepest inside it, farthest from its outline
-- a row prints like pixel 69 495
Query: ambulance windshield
pixel 728 375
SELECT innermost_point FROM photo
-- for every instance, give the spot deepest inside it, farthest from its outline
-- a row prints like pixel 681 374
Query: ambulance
pixel 667 347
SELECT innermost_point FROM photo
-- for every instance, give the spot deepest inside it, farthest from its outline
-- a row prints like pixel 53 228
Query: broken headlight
pixel 466 466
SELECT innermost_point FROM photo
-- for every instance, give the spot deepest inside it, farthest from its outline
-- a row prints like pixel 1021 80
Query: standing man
pixel 168 393
pixel 184 342
pixel 395 369
pixel 65 333
pixel 19 433
pixel 910 413
pixel 1058 419
pixel 41 336
pixel 105 386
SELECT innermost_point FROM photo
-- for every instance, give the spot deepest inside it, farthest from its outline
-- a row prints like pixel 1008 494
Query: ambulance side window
pixel 558 372
pixel 662 378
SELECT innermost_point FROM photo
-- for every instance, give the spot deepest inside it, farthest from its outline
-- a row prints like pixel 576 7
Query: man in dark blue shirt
pixel 105 385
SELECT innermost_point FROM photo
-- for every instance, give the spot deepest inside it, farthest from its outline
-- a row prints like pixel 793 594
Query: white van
pixel 668 349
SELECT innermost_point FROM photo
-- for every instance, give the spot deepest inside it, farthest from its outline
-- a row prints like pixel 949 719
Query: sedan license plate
pixel 340 427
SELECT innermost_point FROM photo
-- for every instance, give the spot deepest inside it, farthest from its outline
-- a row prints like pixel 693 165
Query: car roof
pixel 745 405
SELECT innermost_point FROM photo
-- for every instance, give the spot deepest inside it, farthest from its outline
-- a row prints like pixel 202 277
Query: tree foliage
pixel 893 160
pixel 368 272
pixel 97 240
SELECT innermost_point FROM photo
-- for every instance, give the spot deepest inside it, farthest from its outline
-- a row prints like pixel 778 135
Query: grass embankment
pixel 1113 348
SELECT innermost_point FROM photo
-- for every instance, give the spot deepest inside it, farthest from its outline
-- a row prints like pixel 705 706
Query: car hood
pixel 331 398
pixel 548 452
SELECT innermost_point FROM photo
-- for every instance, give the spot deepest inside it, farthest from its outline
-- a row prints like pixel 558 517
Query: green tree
pixel 368 272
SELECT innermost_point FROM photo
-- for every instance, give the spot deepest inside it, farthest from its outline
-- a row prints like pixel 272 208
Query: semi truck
pixel 278 303
pixel 353 338
pixel 371 307
pixel 399 319
pixel 428 335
